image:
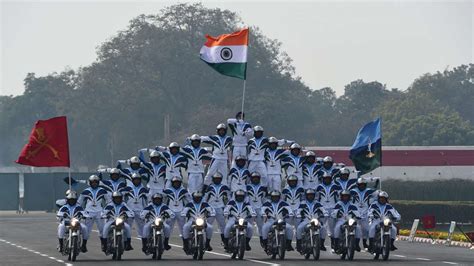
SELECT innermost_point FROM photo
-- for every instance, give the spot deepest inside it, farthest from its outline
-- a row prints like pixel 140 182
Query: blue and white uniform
pixel 235 210
pixel 217 196
pixel 195 157
pixel 294 166
pixel 306 211
pixel 310 177
pixel 113 211
pixel 256 156
pixel 136 198
pixel 194 210
pixel 273 161
pixel 340 212
pixel 293 196
pixel 238 178
pixel 72 211
pixel 273 211
pixel 153 211
pixel 176 199
pixel 327 195
pixel 376 212
pixel 363 199
pixel 220 158
pixel 129 171
pixel 241 132
pixel 93 200
pixel 257 196
pixel 174 164
pixel 157 173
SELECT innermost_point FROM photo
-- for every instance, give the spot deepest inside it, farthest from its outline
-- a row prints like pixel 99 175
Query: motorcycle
pixel 198 236
pixel 115 238
pixel 276 244
pixel 311 243
pixel 237 240
pixel 155 243
pixel 72 240
pixel 382 239
pixel 348 243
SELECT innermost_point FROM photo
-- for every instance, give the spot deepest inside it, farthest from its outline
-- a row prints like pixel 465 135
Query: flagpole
pixel 243 98
pixel 69 176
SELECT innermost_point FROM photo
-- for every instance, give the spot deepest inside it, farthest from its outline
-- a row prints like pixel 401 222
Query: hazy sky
pixel 331 43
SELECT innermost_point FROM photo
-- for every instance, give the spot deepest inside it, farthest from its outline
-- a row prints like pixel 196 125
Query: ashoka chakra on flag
pixel 227 53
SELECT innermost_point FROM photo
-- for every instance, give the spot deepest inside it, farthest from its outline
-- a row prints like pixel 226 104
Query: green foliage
pixel 151 69
pixel 439 190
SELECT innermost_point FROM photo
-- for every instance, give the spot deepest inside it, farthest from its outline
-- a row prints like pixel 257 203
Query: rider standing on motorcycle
pixel 327 195
pixel 71 210
pixel 308 209
pixel 273 160
pixel 156 209
pixel 341 211
pixel 239 174
pixel 114 184
pixel 93 199
pixel 272 209
pixel 221 144
pixel 116 209
pixel 176 198
pixel 328 168
pixel 241 132
pixel 217 195
pixel 174 160
pixel 135 166
pixel 310 170
pixel 136 197
pixel 363 197
pixel 194 209
pixel 344 181
pixel 256 153
pixel 236 209
pixel 195 155
pixel 257 195
pixel 293 195
pixel 380 209
pixel 293 163
pixel 156 170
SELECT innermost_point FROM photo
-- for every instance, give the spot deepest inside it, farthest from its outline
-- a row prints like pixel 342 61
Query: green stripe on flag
pixel 236 70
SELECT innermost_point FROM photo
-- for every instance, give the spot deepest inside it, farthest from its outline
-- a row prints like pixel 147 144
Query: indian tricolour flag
pixel 227 53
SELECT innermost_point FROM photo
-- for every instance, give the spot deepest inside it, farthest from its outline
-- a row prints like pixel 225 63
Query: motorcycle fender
pixel 75 233
pixel 119 233
pixel 199 233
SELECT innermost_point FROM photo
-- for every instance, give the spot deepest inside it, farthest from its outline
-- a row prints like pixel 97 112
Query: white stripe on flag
pixel 220 54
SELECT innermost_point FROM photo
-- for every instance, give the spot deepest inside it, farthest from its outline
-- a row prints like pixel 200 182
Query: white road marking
pixel 448 262
pixel 425 259
pixel 35 252
pixel 400 256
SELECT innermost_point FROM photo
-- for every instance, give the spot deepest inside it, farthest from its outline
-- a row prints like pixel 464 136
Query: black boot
pixel 332 243
pixel 103 244
pixel 336 248
pixel 371 245
pixel 357 244
pixel 288 245
pixel 186 246
pixel 167 243
pixel 261 242
pixel 392 246
pixel 322 247
pixel 208 245
pixel 222 238
pixel 364 243
pixel 264 244
pixel 298 245
pixel 144 242
pixel 128 244
pixel 84 246
pixel 248 248
pixel 60 246
pixel 225 241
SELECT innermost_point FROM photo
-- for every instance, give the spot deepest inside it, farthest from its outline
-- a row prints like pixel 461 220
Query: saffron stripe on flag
pixel 236 38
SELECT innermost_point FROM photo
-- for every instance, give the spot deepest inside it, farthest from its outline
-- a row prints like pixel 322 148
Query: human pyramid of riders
pixel 242 186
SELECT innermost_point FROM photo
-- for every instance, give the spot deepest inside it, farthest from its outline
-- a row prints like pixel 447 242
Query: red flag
pixel 48 144
pixel 429 221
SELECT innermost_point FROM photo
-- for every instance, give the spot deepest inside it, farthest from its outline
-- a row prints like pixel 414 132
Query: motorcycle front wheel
pixel 351 248
pixel 242 246
pixel 316 247
pixel 282 247
pixel 118 249
pixel 386 247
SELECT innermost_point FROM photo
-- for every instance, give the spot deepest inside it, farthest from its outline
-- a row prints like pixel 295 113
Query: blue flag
pixel 366 152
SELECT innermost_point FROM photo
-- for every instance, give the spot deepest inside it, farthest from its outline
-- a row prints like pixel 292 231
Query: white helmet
pixel 272 140
pixel 176 179
pixel 114 171
pixel 134 159
pixel 257 128
pixel 221 126
pixel 310 154
pixel 117 194
pixel 327 159
pixel 71 195
pixel 93 178
pixel 136 175
pixel 173 145
pixel 345 171
pixel 295 146
pixel 361 180
pixel 155 153
pixel 383 194
pixel 195 137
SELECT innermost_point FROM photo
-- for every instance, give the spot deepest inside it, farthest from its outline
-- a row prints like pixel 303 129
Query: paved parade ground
pixel 30 239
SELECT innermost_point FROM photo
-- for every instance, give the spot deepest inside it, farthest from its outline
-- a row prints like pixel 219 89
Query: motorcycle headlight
pixel 157 221
pixel 199 222
pixel 315 222
pixel 351 222
pixel 118 221
pixel 386 222
pixel 241 221
pixel 74 222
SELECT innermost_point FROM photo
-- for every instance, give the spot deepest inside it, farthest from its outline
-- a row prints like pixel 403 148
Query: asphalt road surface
pixel 30 239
